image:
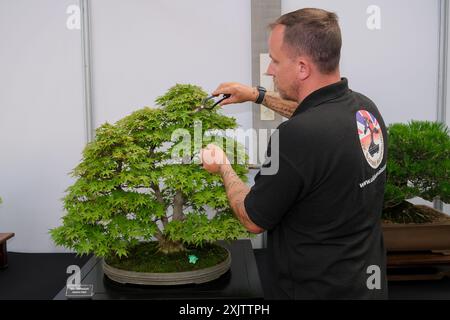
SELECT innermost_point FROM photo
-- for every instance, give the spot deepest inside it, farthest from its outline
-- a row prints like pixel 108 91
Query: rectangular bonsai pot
pixel 417 237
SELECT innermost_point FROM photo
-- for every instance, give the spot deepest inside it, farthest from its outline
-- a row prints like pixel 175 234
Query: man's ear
pixel 304 68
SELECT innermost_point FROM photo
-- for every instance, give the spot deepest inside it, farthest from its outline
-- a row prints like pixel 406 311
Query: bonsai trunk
pixel 168 246
pixel 178 203
pixel 165 245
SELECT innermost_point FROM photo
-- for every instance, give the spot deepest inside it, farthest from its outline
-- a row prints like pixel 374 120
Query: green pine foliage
pixel 129 189
pixel 418 166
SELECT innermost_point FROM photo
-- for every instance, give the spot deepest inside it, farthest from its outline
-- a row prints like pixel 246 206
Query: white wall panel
pixel 142 48
pixel 396 65
pixel 41 118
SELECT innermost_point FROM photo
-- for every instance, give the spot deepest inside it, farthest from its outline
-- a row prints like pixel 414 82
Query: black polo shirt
pixel 322 208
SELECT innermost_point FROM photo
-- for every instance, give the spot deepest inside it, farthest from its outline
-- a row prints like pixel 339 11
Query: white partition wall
pixel 41 117
pixel 139 49
pixel 142 48
pixel 390 52
pixel 447 56
pixel 446 207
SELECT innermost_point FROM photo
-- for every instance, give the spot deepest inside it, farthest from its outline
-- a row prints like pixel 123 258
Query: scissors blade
pixel 204 101
pixel 197 109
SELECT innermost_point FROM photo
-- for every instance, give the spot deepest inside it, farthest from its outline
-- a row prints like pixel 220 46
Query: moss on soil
pixel 407 213
pixel 145 258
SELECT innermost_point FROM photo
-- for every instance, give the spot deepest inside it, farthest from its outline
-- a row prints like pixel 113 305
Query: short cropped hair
pixel 315 33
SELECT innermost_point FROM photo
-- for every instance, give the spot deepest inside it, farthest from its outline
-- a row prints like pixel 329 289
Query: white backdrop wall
pixel 394 61
pixel 448 71
pixel 142 48
pixel 139 50
pixel 397 65
pixel 41 118
pixel 447 206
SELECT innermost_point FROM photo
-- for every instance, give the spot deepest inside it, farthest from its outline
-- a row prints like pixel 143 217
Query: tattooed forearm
pixel 237 190
pixel 284 107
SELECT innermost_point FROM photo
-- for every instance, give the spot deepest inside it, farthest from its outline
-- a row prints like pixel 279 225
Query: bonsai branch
pixel 178 203
pixel 159 235
pixel 160 199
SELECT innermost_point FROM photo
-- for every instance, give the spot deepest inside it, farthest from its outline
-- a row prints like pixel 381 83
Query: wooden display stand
pixel 241 281
pixel 419 265
pixel 4 237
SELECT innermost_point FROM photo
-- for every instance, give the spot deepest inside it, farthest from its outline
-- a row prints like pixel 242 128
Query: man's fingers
pixel 206 156
pixel 229 100
pixel 211 148
pixel 239 92
pixel 212 157
pixel 223 88
pixel 201 156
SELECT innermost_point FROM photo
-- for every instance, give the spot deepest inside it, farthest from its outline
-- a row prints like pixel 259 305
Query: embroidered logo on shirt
pixel 371 137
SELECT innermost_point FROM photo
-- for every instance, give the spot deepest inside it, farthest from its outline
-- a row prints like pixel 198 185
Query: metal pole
pixel 442 70
pixel 443 63
pixel 87 78
pixel 263 12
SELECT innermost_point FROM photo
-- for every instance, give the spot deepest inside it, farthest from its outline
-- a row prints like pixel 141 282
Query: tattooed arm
pixel 237 190
pixel 242 93
pixel 215 161
pixel 284 107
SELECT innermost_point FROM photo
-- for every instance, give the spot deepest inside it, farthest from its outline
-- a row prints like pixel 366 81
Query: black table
pixel 240 282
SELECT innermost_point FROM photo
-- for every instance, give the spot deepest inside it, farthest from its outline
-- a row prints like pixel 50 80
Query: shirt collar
pixel 323 95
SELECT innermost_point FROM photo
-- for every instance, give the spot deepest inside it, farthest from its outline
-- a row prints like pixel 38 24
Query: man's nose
pixel 269 71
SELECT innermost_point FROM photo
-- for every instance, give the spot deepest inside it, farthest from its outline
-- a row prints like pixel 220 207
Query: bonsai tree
pixel 418 165
pixel 130 188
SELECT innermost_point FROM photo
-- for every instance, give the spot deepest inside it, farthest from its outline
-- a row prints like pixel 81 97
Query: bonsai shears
pixel 205 101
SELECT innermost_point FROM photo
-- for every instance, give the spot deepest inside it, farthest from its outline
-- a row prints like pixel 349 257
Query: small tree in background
pixel 418 166
pixel 129 188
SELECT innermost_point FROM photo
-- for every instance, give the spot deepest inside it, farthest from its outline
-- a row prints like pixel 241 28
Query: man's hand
pixel 242 93
pixel 239 93
pixel 215 161
pixel 212 158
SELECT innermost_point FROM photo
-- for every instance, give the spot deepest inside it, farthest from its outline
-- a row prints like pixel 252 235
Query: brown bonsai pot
pixel 433 236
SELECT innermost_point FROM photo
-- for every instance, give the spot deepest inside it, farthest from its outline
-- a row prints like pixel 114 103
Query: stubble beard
pixel 284 94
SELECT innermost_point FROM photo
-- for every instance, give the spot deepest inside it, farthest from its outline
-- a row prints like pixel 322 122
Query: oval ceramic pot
pixel 169 278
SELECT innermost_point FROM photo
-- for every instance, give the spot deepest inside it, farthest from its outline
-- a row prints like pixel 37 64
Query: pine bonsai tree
pixel 129 187
pixel 418 166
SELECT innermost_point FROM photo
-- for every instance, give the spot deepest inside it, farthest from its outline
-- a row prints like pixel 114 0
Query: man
pixel 322 208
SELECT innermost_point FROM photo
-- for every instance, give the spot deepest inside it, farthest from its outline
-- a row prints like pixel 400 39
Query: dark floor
pixel 36 275
pixel 406 290
pixel 43 275
pixel 420 290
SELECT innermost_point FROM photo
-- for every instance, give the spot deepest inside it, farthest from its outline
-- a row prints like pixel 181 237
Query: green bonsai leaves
pixel 129 189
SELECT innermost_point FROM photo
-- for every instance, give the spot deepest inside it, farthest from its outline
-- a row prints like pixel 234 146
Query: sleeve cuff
pixel 255 217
